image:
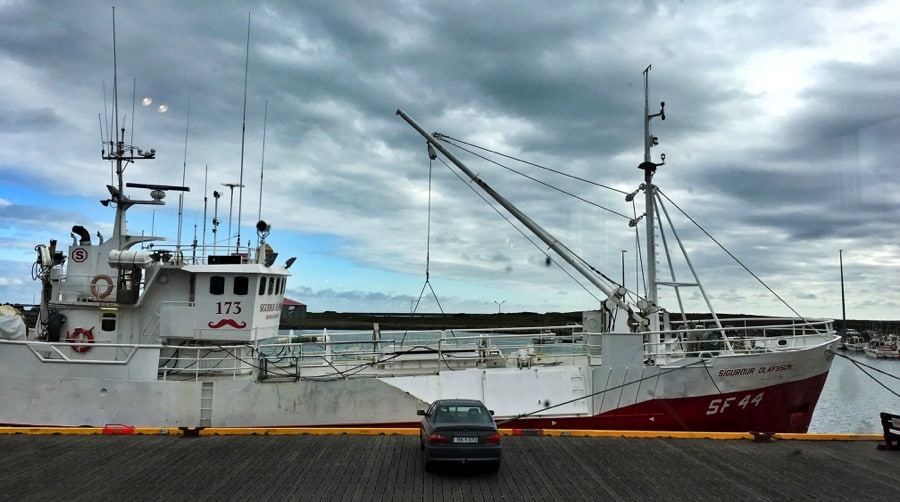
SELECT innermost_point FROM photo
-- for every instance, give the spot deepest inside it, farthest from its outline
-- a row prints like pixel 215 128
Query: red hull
pixel 780 408
pixel 785 408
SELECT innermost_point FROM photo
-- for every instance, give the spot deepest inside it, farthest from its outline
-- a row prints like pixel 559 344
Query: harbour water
pixel 852 399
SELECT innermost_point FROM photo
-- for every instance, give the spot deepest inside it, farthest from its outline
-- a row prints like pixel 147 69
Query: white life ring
pixel 96 291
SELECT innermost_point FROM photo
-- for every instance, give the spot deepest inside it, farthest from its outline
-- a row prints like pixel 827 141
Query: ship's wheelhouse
pixel 231 303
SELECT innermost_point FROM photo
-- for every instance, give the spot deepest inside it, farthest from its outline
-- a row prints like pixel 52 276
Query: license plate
pixel 465 439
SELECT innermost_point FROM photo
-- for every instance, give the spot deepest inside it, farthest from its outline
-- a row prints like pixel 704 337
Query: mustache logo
pixel 227 322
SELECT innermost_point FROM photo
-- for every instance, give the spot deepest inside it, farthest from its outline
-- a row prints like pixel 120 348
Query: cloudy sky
pixel 781 140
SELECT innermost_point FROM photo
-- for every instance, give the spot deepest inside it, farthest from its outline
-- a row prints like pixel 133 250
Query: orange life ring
pixel 96 291
pixel 81 339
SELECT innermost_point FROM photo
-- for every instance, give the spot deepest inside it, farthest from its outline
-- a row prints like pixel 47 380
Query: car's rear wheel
pixel 494 467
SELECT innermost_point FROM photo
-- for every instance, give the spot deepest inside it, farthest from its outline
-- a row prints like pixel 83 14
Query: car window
pixel 462 414
pixel 442 414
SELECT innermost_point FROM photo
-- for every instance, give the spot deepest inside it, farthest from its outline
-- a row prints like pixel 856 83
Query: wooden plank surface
pixel 389 467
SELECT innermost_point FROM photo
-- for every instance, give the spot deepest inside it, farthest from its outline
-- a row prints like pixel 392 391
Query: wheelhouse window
pixel 262 286
pixel 217 285
pixel 271 285
pixel 241 285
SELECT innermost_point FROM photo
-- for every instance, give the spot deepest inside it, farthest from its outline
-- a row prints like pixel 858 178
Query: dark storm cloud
pixel 560 85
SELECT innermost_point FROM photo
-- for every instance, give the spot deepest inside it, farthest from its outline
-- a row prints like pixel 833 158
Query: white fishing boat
pixel 853 341
pixel 173 339
pixel 883 347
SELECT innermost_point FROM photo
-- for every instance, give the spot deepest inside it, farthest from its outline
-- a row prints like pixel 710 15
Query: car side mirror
pixel 420 412
pixel 492 412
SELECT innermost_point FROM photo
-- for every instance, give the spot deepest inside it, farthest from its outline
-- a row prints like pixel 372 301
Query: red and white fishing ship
pixel 164 338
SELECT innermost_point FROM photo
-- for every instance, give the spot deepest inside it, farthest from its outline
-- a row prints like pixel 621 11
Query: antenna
pixel 115 79
pixel 133 99
pixel 187 127
pixel 205 200
pixel 243 134
pixel 194 246
pixel 231 187
pixel 108 136
pixel 262 164
pixel 102 139
pixel 117 145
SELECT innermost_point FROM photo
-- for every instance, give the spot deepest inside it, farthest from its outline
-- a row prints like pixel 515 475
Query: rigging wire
pixel 530 239
pixel 452 140
pixel 639 276
pixel 860 365
pixel 521 232
pixel 729 253
pixel 532 178
pixel 604 391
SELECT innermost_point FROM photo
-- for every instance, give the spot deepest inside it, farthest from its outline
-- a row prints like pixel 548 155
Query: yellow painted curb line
pixel 91 431
pixel 831 437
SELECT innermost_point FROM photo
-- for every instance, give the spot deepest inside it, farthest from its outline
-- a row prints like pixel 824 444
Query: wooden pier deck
pixel 353 467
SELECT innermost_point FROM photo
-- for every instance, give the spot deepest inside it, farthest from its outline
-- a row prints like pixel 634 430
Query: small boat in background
pixel 852 341
pixel 547 336
pixel 884 347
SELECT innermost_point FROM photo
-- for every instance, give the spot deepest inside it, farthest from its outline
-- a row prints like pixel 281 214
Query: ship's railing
pixel 187 362
pixel 87 288
pixel 200 254
pixel 347 354
pixel 702 338
pixel 114 361
pixel 87 353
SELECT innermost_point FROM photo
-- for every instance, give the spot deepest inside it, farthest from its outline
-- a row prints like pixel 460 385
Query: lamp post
pixel 499 304
pixel 843 303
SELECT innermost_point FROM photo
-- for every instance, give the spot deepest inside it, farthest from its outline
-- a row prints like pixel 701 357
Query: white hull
pixel 560 388
pixel 882 353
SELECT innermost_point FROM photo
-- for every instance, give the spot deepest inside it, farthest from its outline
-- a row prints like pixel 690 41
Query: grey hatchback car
pixel 459 431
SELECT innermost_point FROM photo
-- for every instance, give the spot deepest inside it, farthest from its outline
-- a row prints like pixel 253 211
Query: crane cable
pixel 431 156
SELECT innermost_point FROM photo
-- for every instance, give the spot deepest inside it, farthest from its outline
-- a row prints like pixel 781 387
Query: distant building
pixel 292 312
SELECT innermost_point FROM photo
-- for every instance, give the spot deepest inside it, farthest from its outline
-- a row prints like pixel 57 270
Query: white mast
pixel 649 168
